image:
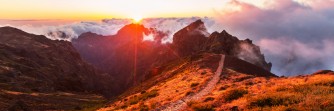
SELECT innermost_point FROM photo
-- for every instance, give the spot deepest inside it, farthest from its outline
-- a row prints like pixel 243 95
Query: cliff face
pixel 195 39
pixel 35 63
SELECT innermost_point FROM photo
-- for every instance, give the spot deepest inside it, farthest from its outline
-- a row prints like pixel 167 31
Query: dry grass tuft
pixel 234 94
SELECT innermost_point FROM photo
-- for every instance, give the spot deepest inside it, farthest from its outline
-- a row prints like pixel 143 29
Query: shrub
pixel 134 100
pixel 190 103
pixel 275 100
pixel 189 93
pixel 203 73
pixel 209 99
pixel 197 106
pixel 150 94
pixel 249 83
pixel 144 96
pixel 143 107
pixel 202 107
pixel 223 87
pixel 194 84
pixel 124 106
pixel 325 83
pixel 234 94
pixel 243 78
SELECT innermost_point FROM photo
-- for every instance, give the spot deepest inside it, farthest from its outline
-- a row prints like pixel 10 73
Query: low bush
pixel 209 99
pixel 275 100
pixel 234 94
pixel 194 84
pixel 197 106
pixel 144 96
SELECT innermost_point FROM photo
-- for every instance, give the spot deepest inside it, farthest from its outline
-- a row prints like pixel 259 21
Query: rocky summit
pixel 195 39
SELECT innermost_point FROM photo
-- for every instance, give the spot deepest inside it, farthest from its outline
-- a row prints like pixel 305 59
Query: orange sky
pixel 100 9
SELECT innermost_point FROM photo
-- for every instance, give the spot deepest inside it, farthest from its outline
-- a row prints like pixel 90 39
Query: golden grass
pixel 301 93
pixel 187 81
pixel 237 91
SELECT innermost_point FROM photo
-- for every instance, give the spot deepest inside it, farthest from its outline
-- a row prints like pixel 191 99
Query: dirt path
pixel 182 103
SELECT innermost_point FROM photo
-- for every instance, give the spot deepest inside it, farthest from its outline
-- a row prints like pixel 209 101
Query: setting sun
pixel 137 19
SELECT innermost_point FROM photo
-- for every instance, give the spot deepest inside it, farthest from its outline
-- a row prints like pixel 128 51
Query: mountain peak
pixel 133 28
pixel 189 40
pixel 132 32
pixel 8 29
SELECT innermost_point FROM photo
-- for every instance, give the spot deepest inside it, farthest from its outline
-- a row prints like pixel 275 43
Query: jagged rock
pixel 190 39
pixel 194 39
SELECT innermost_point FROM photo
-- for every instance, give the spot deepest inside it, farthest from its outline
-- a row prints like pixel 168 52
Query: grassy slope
pixel 234 91
pixel 12 100
pixel 179 79
pixel 246 92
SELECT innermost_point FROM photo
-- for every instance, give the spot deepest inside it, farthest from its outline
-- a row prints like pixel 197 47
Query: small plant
pixel 148 95
pixel 209 99
pixel 249 83
pixel 234 94
pixel 196 106
pixel 190 103
pixel 325 83
pixel 124 106
pixel 223 87
pixel 143 107
pixel 274 100
pixel 194 84
pixel 189 93
pixel 203 73
pixel 135 99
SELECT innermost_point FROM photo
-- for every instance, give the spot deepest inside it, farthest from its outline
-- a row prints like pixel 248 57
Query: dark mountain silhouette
pixel 130 60
pixel 35 63
pixel 117 54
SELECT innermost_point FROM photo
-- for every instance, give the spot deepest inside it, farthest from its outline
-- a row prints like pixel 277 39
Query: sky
pixel 100 9
pixel 295 35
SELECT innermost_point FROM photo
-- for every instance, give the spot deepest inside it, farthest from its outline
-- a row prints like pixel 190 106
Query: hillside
pixel 130 60
pixel 35 70
pixel 193 87
pixel 223 73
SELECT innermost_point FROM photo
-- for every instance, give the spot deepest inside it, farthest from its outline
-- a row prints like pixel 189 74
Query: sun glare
pixel 137 19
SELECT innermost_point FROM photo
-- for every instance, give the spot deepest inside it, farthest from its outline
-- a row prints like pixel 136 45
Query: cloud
pixel 292 57
pixel 294 35
pixel 70 31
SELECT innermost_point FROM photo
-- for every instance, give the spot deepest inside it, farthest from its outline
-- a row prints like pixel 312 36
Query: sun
pixel 137 19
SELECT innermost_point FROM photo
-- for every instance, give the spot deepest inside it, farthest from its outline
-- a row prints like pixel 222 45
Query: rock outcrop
pixel 195 39
pixel 190 39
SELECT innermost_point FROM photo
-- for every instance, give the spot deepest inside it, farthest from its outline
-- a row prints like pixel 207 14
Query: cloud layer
pixel 297 36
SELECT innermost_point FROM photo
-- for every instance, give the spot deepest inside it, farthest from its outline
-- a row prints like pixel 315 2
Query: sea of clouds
pixel 297 36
